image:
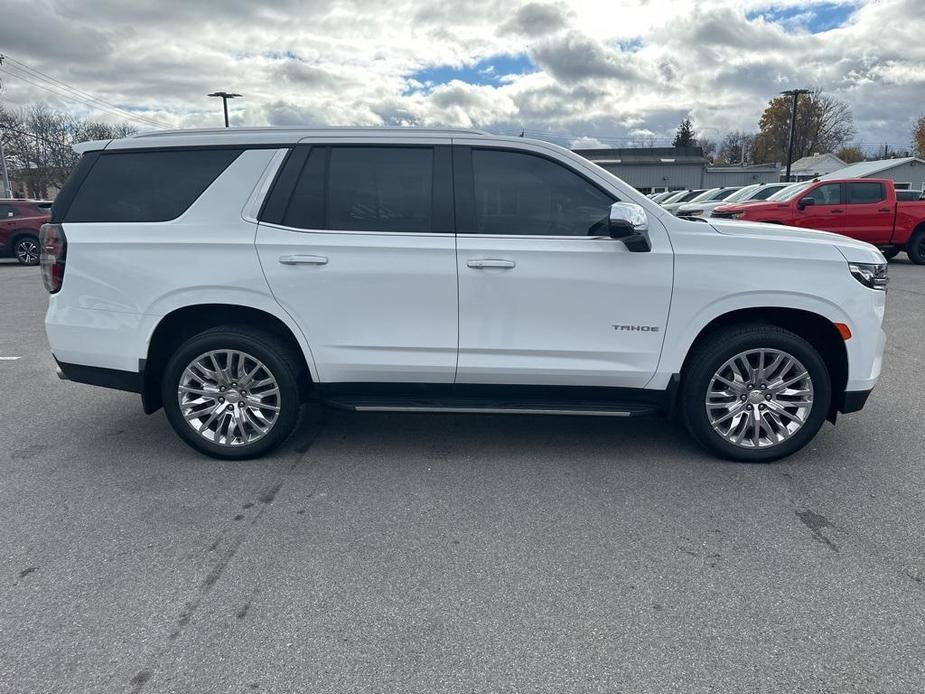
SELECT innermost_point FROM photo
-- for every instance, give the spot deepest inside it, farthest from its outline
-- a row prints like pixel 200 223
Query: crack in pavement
pixel 232 542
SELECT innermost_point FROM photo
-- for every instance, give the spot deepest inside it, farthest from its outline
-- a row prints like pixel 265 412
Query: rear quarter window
pixel 150 186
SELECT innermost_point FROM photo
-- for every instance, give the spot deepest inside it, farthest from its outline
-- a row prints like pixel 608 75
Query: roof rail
pixel 307 129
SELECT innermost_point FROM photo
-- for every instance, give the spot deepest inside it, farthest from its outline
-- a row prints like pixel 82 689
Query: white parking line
pixel 9 358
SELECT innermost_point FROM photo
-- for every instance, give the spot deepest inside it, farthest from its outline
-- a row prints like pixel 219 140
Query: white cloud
pixel 318 62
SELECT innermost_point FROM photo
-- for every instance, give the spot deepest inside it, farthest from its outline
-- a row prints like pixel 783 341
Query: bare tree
pixel 736 147
pixel 38 143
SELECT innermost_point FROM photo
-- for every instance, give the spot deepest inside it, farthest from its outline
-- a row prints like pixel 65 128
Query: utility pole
pixel 225 96
pixel 7 191
pixel 795 93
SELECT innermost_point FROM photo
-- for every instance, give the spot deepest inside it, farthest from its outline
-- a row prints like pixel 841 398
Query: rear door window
pixel 7 211
pixel 380 188
pixel 865 193
pixel 148 186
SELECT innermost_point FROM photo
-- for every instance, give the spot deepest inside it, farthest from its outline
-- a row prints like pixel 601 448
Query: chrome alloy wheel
pixel 759 398
pixel 228 397
pixel 27 252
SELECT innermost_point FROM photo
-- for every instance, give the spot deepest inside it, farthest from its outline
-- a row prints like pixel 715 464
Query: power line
pixel 72 98
pixel 66 92
pixel 90 104
pixel 39 74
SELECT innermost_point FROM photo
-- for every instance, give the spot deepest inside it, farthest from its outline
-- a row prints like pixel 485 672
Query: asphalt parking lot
pixel 427 553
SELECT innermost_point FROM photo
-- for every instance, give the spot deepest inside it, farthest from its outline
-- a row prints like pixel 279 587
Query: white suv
pixel 231 275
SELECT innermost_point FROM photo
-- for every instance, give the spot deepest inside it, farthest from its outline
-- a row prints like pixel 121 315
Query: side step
pixel 471 406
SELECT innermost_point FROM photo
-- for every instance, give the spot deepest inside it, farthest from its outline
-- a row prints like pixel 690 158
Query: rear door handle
pixel 479 263
pixel 303 260
pixel 838 212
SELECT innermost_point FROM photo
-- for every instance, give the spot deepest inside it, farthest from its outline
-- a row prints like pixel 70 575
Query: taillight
pixel 53 244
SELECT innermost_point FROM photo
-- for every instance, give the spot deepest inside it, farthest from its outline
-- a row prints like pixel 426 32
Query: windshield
pixel 766 192
pixel 674 197
pixel 743 193
pixel 706 195
pixel 689 195
pixel 790 191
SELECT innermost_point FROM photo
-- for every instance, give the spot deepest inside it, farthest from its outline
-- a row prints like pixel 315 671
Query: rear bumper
pixel 130 381
pixel 854 401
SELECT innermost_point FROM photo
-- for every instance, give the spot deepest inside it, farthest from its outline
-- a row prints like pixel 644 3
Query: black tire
pixel 916 247
pixel 713 352
pixel 285 366
pixel 890 253
pixel 25 249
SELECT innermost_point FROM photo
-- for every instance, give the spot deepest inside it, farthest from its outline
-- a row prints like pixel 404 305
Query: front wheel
pixel 232 392
pixel 755 393
pixel 916 248
pixel 26 250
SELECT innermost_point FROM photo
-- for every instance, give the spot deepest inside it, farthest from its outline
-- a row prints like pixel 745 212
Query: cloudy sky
pixel 574 71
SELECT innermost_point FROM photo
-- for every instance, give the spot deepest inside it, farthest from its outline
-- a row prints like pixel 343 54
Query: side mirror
pixel 806 202
pixel 629 224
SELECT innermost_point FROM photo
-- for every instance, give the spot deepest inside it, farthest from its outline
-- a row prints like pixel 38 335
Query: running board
pixel 597 409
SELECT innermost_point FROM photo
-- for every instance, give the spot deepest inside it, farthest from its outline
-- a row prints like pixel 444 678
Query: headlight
pixel 871 275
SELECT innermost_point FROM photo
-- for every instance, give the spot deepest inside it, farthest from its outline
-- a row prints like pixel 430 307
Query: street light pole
pixel 225 96
pixel 795 93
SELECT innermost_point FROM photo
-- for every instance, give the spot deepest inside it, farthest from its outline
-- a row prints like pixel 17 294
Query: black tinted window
pixel 146 186
pixel 7 211
pixel 519 193
pixel 865 193
pixel 380 188
pixel 306 206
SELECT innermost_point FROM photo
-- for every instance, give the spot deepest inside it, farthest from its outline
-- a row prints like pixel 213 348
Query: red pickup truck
pixel 862 208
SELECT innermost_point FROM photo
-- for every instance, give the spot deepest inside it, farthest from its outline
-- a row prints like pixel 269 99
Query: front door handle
pixel 303 260
pixel 884 209
pixel 479 263
pixel 838 212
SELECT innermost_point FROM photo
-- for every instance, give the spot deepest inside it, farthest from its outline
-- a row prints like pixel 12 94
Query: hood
pixel 854 251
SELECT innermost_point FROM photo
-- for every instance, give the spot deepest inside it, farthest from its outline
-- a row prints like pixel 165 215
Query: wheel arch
pixel 813 327
pixel 182 323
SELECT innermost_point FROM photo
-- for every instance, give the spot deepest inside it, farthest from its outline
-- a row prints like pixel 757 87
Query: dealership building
pixel 653 169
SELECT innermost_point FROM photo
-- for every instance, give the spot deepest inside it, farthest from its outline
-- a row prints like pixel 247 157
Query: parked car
pixel 20 221
pixel 708 195
pixel 753 193
pixel 863 208
pixel 230 275
pixel 680 198
pixel 664 195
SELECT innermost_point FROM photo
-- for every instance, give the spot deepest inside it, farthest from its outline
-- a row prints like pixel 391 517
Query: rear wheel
pixel 232 392
pixel 755 393
pixel 916 248
pixel 26 249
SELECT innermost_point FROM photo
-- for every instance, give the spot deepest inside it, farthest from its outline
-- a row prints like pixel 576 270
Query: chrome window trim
pixel 356 232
